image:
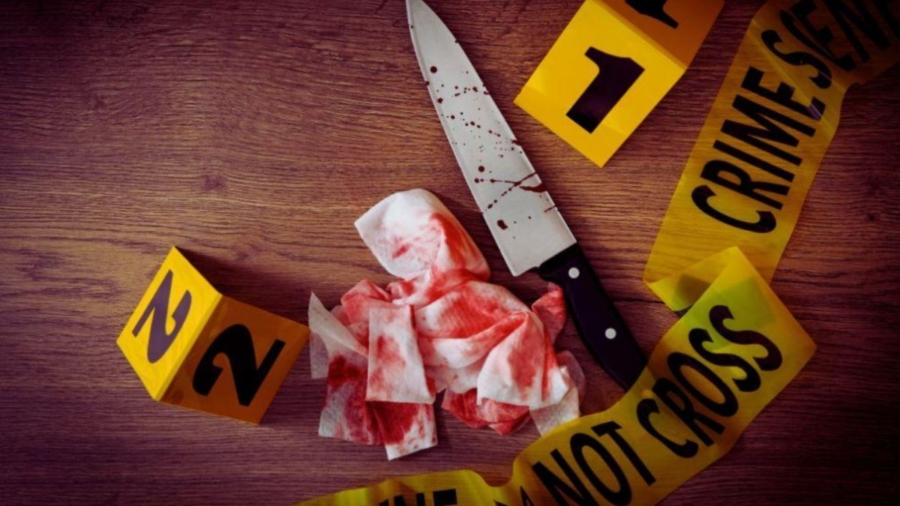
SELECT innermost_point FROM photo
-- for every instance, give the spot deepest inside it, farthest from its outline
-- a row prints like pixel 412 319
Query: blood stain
pixel 502 224
pixel 401 250
pixel 440 100
pixel 481 168
pixel 433 70
pixel 395 420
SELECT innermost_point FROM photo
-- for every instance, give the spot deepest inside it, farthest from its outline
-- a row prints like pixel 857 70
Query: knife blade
pixel 525 223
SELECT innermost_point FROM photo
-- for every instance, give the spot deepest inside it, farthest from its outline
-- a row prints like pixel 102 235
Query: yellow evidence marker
pixel 610 67
pixel 193 347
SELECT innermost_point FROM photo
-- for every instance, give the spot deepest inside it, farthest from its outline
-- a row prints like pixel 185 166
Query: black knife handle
pixel 598 322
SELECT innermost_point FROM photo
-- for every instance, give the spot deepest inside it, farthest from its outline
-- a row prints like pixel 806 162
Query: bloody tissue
pixel 440 327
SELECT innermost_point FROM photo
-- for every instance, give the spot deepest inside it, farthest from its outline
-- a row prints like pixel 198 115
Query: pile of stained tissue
pixel 441 327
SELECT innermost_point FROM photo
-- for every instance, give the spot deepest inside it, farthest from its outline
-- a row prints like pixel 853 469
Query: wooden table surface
pixel 253 134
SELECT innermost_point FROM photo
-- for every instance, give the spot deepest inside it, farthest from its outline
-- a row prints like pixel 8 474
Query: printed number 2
pixel 616 76
pixel 236 343
pixel 160 340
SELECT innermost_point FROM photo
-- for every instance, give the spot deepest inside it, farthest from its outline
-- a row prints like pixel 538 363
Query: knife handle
pixel 599 323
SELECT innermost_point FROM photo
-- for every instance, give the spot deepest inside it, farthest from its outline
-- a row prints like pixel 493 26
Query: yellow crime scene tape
pixel 736 346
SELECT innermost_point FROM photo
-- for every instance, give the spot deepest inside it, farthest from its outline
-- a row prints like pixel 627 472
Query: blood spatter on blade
pixel 433 69
pixel 502 224
pixel 481 168
pixel 440 100
pixel 539 188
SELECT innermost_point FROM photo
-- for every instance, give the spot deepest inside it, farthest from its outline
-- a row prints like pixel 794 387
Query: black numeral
pixel 653 8
pixel 236 343
pixel 616 76
pixel 160 340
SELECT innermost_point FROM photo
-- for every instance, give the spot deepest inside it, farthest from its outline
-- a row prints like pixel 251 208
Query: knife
pixel 523 219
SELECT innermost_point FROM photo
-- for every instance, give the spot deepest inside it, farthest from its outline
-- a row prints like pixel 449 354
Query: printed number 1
pixel 236 343
pixel 615 77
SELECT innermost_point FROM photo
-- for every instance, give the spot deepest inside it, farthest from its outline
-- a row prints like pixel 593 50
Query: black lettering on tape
pixel 558 486
pixel 579 443
pixel 715 170
pixel 821 35
pixel 616 76
pixel 882 6
pixel 526 500
pixel 783 95
pixel 683 408
pixel 822 79
pixel 765 129
pixel 655 9
pixel 765 223
pixel 861 19
pixel 401 501
pixel 773 358
pixel 751 380
pixel 647 407
pixel 612 429
pixel 160 340
pixel 445 497
pixel 679 361
pixel 752 160
pixel 236 343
